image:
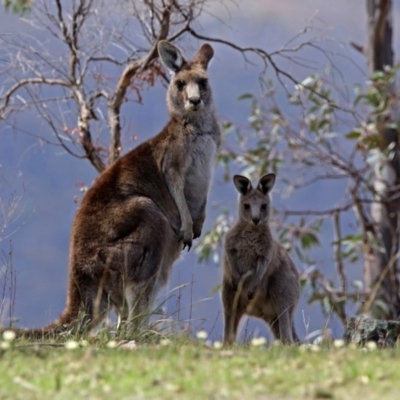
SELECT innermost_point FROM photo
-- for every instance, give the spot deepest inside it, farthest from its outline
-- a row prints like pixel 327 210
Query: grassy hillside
pixel 191 370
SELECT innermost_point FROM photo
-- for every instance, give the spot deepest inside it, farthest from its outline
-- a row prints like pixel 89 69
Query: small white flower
pixel 71 344
pixel 202 335
pixel 84 343
pixel 5 345
pixel 131 345
pixel 9 336
pixel 303 347
pixel 338 343
pixel 107 388
pixel 315 348
pixel 277 343
pixel 256 342
pixel 217 344
pixel 357 284
pixel 164 342
pixel 371 346
pixel 112 344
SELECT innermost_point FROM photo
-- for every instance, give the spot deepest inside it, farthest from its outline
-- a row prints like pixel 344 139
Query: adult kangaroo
pixel 134 221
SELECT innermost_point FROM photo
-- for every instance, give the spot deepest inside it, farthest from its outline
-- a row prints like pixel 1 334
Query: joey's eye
pixel 202 83
pixel 263 207
pixel 247 206
pixel 180 85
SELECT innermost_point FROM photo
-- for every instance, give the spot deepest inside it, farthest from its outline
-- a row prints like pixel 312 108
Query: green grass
pixel 191 370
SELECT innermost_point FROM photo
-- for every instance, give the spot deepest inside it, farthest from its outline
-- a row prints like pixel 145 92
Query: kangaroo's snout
pixel 255 220
pixel 195 101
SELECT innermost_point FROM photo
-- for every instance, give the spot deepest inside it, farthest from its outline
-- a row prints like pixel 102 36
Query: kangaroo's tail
pixel 68 320
pixel 76 317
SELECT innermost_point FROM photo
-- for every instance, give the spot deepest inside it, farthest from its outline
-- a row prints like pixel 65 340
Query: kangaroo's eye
pixel 247 206
pixel 263 207
pixel 180 85
pixel 202 83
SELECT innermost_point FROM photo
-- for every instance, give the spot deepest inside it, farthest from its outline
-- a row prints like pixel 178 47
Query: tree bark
pixel 381 264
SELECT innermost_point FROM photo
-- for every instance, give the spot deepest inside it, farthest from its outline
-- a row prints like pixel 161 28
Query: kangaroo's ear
pixel 242 184
pixel 170 56
pixel 266 183
pixel 204 55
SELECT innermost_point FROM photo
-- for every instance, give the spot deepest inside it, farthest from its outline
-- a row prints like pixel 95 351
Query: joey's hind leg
pixel 274 325
pixel 233 312
pixel 294 335
pixel 283 297
pixel 282 327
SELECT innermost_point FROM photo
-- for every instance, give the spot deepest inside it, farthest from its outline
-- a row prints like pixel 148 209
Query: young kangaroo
pixel 134 220
pixel 259 278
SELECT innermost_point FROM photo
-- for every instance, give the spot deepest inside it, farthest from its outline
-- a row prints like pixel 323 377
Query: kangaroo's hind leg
pixel 139 260
pixel 132 280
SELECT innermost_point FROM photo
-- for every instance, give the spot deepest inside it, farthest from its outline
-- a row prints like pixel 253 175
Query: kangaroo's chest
pixel 248 248
pixel 201 155
pixel 246 260
pixel 200 165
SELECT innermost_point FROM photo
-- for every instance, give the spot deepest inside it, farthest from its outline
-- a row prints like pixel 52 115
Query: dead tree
pixel 95 47
pixel 100 57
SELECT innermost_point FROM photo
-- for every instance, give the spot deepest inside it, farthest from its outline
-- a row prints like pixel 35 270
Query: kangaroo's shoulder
pixel 283 262
pixel 139 165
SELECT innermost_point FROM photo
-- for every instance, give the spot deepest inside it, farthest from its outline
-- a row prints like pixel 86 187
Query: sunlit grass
pixel 177 367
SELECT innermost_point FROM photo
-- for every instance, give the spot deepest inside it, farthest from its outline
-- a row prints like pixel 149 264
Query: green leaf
pixel 354 134
pixel 377 75
pixel 308 240
pixel 245 96
pixel 18 6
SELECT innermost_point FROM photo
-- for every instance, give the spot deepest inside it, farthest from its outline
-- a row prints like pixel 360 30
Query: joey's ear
pixel 204 55
pixel 170 56
pixel 242 184
pixel 266 183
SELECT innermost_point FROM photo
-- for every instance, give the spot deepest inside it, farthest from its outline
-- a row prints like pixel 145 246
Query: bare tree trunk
pixel 381 262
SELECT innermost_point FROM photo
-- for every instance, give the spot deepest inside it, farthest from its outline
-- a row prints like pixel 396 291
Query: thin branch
pixel 322 213
pixel 266 58
pixel 85 115
pixel 29 81
pixel 339 260
pixel 130 71
pixel 358 47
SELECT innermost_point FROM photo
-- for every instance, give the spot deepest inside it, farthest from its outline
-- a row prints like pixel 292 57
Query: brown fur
pixel 132 222
pixel 259 278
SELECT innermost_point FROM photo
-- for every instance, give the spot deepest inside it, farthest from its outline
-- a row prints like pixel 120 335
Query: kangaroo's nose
pixel 255 220
pixel 195 101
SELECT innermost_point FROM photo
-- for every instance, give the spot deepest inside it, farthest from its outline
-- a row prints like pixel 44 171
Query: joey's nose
pixel 255 221
pixel 195 101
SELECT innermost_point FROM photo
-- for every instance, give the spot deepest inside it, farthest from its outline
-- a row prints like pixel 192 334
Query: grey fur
pixel 259 278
